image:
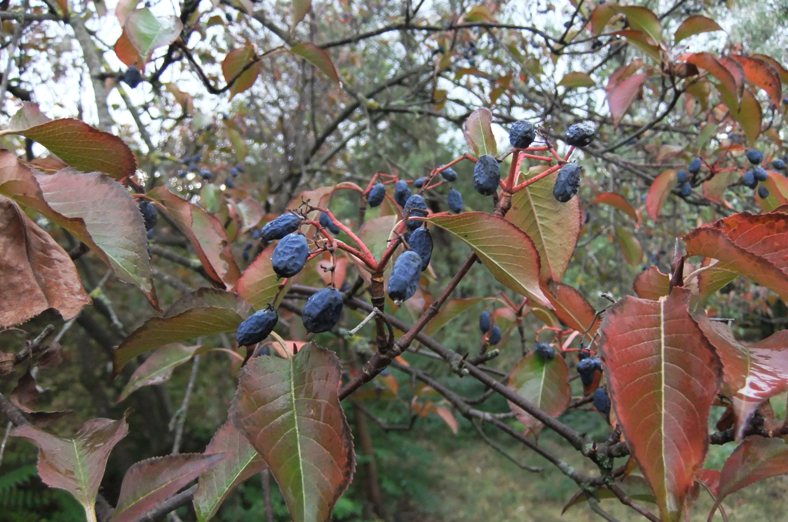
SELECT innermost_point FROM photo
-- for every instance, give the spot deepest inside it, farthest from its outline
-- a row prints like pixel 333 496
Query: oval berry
pixel 486 175
pixel 376 195
pixel 404 279
pixel 449 174
pixel 420 241
pixel 322 310
pixel 495 336
pixel 568 182
pixel 401 192
pixel 290 255
pixel 456 203
pixel 278 228
pixel 327 222
pixel 694 166
pixel 602 401
pixel 580 134
pixel 545 351
pixel 754 156
pixel 256 327
pixel 485 321
pixel 522 134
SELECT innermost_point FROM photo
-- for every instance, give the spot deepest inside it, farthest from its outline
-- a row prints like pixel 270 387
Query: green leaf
pixel 630 246
pixel 146 32
pixel 642 19
pixel 507 252
pixel 317 57
pixel 300 9
pixel 576 79
pixel 543 382
pixel 158 368
pixel 693 25
pixel 478 132
pixel 289 410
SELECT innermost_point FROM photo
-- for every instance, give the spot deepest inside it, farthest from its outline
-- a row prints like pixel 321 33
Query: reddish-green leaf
pixel 630 246
pixel 300 9
pixel 147 32
pixel 204 312
pixel 124 8
pixel 205 233
pixel 727 83
pixel 236 66
pixel 753 245
pixel 478 132
pixel 658 191
pixel 75 142
pixel 259 284
pixel 572 308
pixel 506 251
pixel 762 74
pixel 621 94
pixel 749 116
pixel 150 482
pixel 158 367
pixel 241 462
pixel 37 273
pixel 289 410
pixel 752 372
pixel 714 188
pixel 693 25
pixel 755 459
pixel 777 184
pixel 643 42
pixel 662 377
pixel 317 57
pixel 376 233
pixel 251 212
pixel 554 227
pixel 76 464
pixel 712 279
pixel 543 382
pixel 618 201
pixel 577 79
pixel 639 18
pixel 651 283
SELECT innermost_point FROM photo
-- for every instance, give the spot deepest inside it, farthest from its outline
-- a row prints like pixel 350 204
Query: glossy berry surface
pixel 567 182
pixel 763 192
pixel 522 134
pixel 376 195
pixel 420 241
pixel 419 182
pixel 322 310
pixel 682 176
pixel 754 156
pixel 404 279
pixel 456 204
pixel 601 401
pixel 749 179
pixel 449 174
pixel 485 321
pixel 587 369
pixel 256 327
pixel 694 166
pixel 486 175
pixel 580 134
pixel 495 336
pixel 281 226
pixel 545 351
pixel 778 164
pixel 760 173
pixel 290 255
pixel 401 192
pixel 328 223
pixel 686 189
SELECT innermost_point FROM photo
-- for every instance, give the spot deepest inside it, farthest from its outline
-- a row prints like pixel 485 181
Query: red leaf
pixel 693 25
pixel 317 57
pixel 544 383
pixel 658 191
pixel 714 188
pixel 662 376
pixel 75 142
pixel 755 459
pixel 651 283
pixel 752 372
pixel 749 115
pixel 289 410
pixel 37 273
pixel 572 308
pixel 753 245
pixel 478 132
pixel 618 201
pixel 235 66
pixel 205 233
pixel 762 74
pixel 87 452
pixel 150 482
pixel 621 94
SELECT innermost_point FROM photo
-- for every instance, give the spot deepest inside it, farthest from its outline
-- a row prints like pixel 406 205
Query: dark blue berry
pixel 754 156
pixel 495 336
pixel 149 214
pixel 415 205
pixel 132 77
pixel 602 401
pixel 404 279
pixel 567 182
pixel 256 327
pixel 229 183
pixel 322 310
pixel 278 228
pixel 327 222
pixel 290 255
pixel 778 164
pixel 749 179
pixel 449 174
pixel 760 174
pixel 486 175
pixel 763 192
pixel 420 241
pixel 456 204
pixel 376 195
pixel 587 369
pixel 686 189
pixel 206 174
pixel 694 166
pixel 545 351
pixel 247 252
pixel 485 321
pixel 682 177
pixel 580 134
pixel 420 182
pixel 522 134
pixel 182 174
pixel 401 192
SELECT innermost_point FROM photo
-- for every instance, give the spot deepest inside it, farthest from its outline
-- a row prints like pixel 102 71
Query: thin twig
pixel 179 416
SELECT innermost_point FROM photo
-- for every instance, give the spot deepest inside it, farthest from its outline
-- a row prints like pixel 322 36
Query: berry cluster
pixel 489 329
pixel 757 174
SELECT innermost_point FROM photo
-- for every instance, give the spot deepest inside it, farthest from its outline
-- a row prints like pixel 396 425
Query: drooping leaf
pixel 204 312
pixel 658 191
pixel 554 227
pixel 752 372
pixel 506 251
pixel 158 368
pixel 572 308
pixel 755 459
pixel 543 382
pixel 317 57
pixel 715 278
pixel 205 233
pixel 259 284
pixel 630 246
pixel 76 464
pixel 618 201
pixel 643 42
pixel 251 213
pixel 693 25
pixel 726 82
pixel 289 410
pixel 236 66
pixel 662 377
pixel 83 147
pixel 147 32
pixel 777 184
pixel 241 462
pixel 151 481
pixel 621 94
pixel 639 18
pixel 300 9
pixel 651 283
pixel 111 217
pixel 478 132
pixel 37 273
pixel 124 8
pixel 576 79
pixel 749 116
pixel 715 187
pixel 752 245
pixel 762 74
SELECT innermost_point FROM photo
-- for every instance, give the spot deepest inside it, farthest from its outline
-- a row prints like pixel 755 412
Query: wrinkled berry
pixel 449 174
pixel 256 327
pixel 763 192
pixel 322 310
pixel 404 280
pixel 376 195
pixel 580 134
pixel 419 182
pixel 486 175
pixel 149 214
pixel 682 176
pixel 522 134
pixel 694 166
pixel 401 192
pixel 420 241
pixel 602 401
pixel 760 174
pixel 415 205
pixel 545 351
pixel 587 369
pixel 281 226
pixel 495 336
pixel 686 189
pixel 485 321
pixel 754 156
pixel 456 204
pixel 290 255
pixel 132 77
pixel 567 182
pixel 749 179
pixel 778 164
pixel 327 222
